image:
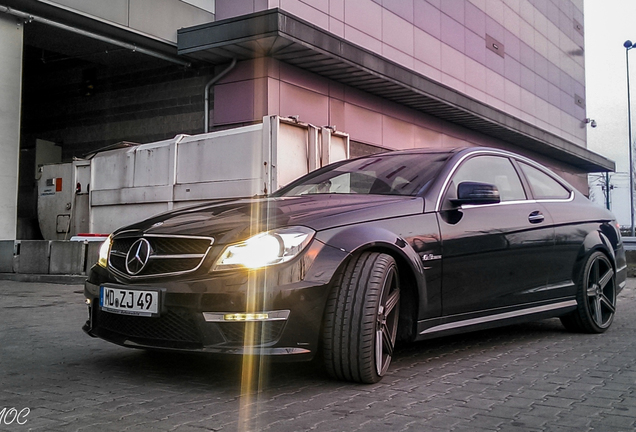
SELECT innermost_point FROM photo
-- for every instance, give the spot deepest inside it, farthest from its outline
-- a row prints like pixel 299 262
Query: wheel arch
pixel 410 292
pixel 594 241
pixel 356 240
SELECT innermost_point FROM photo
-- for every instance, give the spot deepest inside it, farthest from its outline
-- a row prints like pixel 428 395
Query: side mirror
pixel 473 193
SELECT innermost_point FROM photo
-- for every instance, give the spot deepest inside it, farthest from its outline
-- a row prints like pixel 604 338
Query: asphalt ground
pixel 531 377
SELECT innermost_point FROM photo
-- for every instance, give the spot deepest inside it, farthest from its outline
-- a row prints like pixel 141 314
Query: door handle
pixel 536 217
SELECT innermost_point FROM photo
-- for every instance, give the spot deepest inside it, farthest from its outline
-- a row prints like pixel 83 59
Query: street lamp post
pixel 629 45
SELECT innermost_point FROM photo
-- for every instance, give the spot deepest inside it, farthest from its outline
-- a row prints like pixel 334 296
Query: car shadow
pixel 199 370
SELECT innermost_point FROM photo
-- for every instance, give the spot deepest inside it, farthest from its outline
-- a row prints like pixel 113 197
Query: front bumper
pixel 190 322
pixel 208 313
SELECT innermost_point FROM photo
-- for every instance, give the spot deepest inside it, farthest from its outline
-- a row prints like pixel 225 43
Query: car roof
pixel 460 150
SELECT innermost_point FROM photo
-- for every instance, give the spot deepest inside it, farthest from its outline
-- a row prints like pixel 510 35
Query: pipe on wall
pixel 216 78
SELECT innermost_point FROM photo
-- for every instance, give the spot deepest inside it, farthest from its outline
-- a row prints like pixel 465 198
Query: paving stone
pixel 518 402
pixel 461 395
pixel 461 412
pixel 589 401
pixel 530 421
pixel 564 428
pixel 557 401
pixel 572 420
pixel 485 421
pixel 470 428
pixel 444 421
pixel 616 421
pixel 526 378
pixel 520 428
pixel 504 412
pixel 544 411
pixel 391 422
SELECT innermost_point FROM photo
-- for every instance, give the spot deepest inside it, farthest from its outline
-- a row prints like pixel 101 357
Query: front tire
pixel 361 319
pixel 596 297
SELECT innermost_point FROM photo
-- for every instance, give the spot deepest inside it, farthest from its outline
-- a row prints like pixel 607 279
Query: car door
pixel 570 232
pixel 494 255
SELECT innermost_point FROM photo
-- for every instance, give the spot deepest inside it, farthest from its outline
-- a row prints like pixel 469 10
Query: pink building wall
pixel 265 86
pixel 537 80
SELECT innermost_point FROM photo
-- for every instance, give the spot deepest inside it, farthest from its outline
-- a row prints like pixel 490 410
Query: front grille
pixel 172 265
pixel 169 255
pixel 159 267
pixel 179 245
pixel 263 332
pixel 121 245
pixel 173 326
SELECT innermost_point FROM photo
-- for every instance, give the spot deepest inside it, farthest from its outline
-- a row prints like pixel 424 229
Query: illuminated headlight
pixel 104 250
pixel 265 249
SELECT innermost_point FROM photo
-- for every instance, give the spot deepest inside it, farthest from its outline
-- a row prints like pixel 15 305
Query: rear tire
pixel 596 297
pixel 361 319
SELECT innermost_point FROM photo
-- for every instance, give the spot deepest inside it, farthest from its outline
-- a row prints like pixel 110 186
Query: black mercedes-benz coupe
pixel 355 256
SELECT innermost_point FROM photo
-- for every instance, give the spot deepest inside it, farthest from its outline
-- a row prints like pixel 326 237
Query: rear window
pixel 544 186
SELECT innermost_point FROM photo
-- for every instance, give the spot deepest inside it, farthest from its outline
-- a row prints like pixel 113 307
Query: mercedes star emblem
pixel 137 256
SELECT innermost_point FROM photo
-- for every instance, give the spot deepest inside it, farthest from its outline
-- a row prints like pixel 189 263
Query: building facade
pixel 395 74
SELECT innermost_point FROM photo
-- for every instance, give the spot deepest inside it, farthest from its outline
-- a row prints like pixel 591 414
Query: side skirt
pixel 495 318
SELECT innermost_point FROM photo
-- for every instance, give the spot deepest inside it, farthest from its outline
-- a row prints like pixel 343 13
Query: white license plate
pixel 129 302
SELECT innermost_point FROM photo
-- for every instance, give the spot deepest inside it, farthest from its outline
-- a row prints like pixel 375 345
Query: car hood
pixel 233 220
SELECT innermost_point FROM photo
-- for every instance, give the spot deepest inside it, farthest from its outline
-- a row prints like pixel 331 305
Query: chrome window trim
pixel 532 201
pixel 154 257
pixel 498 317
pixel 557 200
pixel 442 192
pixel 501 153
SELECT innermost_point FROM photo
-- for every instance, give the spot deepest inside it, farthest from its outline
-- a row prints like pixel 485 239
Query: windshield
pixel 382 174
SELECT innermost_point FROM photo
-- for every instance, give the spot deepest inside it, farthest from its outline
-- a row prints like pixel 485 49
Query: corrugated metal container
pixel 132 183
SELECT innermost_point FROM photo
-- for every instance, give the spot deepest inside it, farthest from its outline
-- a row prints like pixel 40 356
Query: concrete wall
pixel 11 35
pixel 7 255
pixel 47 257
pixel 157 18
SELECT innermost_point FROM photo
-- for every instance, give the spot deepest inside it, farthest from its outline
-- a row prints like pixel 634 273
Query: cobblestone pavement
pixel 532 377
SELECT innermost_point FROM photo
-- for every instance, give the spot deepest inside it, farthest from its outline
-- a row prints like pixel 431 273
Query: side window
pixel 493 170
pixel 543 186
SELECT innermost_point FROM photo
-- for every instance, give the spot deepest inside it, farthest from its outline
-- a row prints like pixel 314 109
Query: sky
pixel 608 24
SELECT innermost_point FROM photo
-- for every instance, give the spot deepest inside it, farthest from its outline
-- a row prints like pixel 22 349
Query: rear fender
pixel 594 241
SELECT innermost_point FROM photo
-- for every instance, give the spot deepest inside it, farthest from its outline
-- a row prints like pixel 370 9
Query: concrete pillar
pixel 11 36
